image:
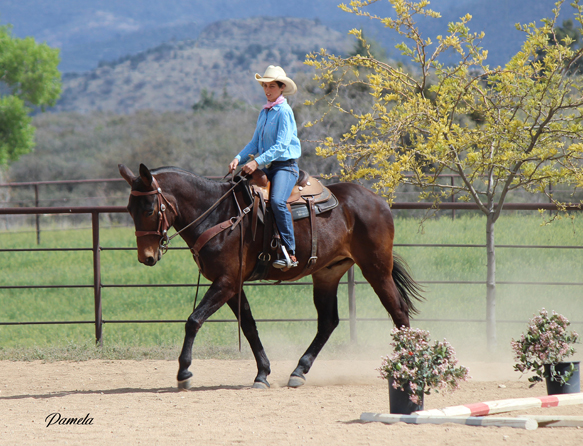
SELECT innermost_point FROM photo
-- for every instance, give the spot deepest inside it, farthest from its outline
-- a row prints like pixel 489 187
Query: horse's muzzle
pixel 150 261
pixel 149 251
pixel 150 258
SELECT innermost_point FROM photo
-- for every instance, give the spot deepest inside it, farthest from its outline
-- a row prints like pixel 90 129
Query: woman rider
pixel 276 146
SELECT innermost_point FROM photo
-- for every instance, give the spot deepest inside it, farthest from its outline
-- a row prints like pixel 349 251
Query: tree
pixel 567 34
pixel 499 129
pixel 208 102
pixel 368 47
pixel 28 78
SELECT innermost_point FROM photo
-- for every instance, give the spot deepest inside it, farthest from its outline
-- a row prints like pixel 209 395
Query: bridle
pixel 163 224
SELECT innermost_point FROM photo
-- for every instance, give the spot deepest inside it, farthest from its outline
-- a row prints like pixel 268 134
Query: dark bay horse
pixel 359 230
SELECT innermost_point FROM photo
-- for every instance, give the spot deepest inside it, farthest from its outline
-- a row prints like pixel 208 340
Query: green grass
pixel 443 301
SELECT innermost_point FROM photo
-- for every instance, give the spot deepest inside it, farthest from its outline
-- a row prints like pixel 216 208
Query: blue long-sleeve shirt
pixel 275 137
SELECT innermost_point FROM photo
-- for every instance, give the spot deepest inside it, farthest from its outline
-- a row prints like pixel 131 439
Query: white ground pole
pixel 557 420
pixel 519 423
pixel 500 406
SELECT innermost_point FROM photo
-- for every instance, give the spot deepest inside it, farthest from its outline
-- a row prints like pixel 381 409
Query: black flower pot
pixel 399 401
pixel 554 386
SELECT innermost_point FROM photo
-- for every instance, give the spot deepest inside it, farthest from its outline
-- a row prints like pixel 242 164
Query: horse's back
pixel 363 204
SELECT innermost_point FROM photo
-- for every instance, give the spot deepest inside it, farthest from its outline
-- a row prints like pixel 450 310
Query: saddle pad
pixel 300 210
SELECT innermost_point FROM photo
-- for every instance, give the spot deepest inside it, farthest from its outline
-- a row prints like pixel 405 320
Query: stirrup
pixel 286 262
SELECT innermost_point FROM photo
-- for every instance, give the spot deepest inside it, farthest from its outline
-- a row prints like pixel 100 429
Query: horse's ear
pixel 126 173
pixel 145 175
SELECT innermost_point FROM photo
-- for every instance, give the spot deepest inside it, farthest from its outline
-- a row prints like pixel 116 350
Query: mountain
pixel 86 56
pixel 127 55
pixel 90 31
pixel 224 57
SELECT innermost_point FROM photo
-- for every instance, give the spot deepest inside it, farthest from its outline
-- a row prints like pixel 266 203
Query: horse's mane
pixel 191 177
pixel 173 169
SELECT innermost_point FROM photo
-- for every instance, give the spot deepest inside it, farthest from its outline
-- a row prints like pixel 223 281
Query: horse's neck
pixel 195 195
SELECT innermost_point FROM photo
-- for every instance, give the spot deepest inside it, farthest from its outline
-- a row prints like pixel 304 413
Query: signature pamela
pixel 56 418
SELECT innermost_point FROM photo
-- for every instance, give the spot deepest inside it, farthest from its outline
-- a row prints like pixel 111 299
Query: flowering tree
pixel 499 129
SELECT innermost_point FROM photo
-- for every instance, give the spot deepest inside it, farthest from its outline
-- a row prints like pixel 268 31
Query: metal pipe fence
pixel 35 185
pixel 351 283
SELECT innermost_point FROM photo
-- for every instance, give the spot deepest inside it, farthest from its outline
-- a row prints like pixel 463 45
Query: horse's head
pixel 152 212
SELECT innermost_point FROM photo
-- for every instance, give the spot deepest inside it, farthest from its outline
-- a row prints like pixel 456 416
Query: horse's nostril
pixel 150 261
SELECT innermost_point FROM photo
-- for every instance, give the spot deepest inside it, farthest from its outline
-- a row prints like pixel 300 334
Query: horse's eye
pixel 149 213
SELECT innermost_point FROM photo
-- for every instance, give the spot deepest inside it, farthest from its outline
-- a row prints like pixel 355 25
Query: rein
pixel 164 244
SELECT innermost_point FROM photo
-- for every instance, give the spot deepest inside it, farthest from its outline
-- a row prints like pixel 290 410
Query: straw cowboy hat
pixel 274 73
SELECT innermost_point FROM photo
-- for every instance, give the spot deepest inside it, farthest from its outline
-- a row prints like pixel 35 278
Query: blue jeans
pixel 283 176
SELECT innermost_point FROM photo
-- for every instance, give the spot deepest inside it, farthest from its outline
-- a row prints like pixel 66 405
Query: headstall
pixel 163 224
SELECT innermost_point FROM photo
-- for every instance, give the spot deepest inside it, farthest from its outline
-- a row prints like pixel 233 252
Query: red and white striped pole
pixel 500 406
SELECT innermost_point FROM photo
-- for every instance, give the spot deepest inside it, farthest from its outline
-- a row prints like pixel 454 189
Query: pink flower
pixel 421 364
pixel 546 341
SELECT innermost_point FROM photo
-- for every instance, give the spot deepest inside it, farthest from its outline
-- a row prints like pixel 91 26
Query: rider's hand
pixel 233 165
pixel 250 167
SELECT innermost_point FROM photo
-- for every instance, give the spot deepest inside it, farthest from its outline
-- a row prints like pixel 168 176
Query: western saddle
pixel 309 198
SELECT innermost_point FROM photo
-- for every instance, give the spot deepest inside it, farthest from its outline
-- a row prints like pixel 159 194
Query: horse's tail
pixel 408 288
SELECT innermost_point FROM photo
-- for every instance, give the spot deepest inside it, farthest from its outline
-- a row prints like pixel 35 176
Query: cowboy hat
pixel 274 73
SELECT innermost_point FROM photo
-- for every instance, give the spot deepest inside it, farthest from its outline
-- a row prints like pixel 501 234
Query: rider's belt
pixel 281 163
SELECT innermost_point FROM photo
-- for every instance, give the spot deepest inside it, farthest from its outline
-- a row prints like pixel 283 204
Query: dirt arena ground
pixel 136 402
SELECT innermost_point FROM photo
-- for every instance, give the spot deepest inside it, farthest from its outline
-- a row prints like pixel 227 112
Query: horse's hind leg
pixel 326 302
pixel 250 331
pixel 379 275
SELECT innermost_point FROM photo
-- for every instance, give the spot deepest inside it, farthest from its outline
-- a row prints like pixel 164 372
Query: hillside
pixel 88 32
pixel 85 56
pixel 224 57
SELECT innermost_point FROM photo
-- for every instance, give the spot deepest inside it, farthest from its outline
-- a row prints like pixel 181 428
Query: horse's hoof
pixel 185 384
pixel 260 385
pixel 296 381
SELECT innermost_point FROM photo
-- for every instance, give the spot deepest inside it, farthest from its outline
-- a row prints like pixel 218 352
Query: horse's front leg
pixel 219 292
pixel 250 331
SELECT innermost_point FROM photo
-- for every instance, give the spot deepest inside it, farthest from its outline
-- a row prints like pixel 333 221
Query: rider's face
pixel 272 90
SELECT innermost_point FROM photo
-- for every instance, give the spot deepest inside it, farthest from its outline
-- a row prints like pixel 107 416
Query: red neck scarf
pixel 279 100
